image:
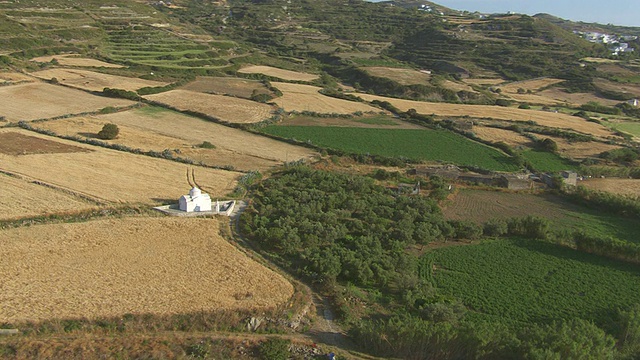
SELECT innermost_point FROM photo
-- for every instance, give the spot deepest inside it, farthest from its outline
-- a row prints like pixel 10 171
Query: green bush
pixel 275 349
pixel 109 132
pixel 207 145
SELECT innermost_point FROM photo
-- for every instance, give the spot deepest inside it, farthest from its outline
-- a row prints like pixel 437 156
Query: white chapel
pixel 195 201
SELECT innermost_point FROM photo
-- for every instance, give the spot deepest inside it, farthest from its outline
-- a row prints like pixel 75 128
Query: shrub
pixel 275 349
pixel 503 102
pixel 207 145
pixel 108 110
pixel 109 132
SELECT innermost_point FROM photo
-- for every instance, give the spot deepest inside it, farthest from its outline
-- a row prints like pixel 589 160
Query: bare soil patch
pixel 163 129
pixel 13 143
pixel 75 60
pixel 481 206
pixel 112 267
pixel 95 81
pixel 278 73
pixel 42 101
pixel 34 199
pixel 402 76
pixel 226 86
pixel 544 118
pixel 630 187
pixel 116 176
pixel 298 97
pixel 532 85
pixel 509 137
pixel 225 108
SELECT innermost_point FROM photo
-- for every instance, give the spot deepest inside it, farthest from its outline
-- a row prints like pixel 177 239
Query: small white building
pixel 195 201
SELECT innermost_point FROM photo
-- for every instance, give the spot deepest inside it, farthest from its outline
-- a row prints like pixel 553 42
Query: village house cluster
pixel 618 44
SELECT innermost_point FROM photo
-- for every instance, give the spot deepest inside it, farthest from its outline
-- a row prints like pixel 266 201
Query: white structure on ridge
pixel 195 201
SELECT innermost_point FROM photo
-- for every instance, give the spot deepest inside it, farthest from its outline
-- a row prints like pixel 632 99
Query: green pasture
pixel 531 281
pixel 428 145
pixel 548 162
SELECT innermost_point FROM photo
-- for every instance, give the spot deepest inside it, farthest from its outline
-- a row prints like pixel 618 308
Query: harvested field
pixel 115 176
pixel 225 108
pixel 543 118
pixel 483 81
pixel 509 137
pixel 278 73
pixel 75 60
pixel 42 101
pixel 226 86
pixel 153 128
pixel 95 81
pixel 13 143
pixel 35 199
pixel 297 97
pixel 402 76
pixel 111 267
pixel 533 99
pixel 14 77
pixel 629 187
pixel 579 150
pixel 532 85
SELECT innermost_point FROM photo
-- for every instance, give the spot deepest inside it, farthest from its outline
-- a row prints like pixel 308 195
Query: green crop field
pixel 630 127
pixel 548 162
pixel 530 281
pixel 431 145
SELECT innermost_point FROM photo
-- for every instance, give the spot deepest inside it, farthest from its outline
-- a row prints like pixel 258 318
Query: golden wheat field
pixel 225 108
pixel 95 81
pixel 75 60
pixel 544 118
pixel 33 101
pixel 630 187
pixel 34 199
pixel 402 76
pixel 105 268
pixel 278 73
pixel 157 129
pixel 509 137
pixel 298 97
pixel 226 86
pixel 115 176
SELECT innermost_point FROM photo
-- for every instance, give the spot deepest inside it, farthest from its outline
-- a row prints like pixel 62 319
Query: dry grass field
pixel 243 88
pixel 41 101
pixel 599 60
pixel 633 89
pixel 278 73
pixel 481 206
pixel 487 81
pixel 297 97
pixel 509 137
pixel 225 108
pixel 402 76
pixel 112 267
pixel 560 96
pixel 579 150
pixel 95 81
pixel 457 86
pixel 75 60
pixel 14 77
pixel 629 187
pixel 544 118
pixel 114 176
pixel 158 129
pixel 532 85
pixel 34 199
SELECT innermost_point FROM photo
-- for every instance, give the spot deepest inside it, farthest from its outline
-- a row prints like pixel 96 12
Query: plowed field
pixel 112 267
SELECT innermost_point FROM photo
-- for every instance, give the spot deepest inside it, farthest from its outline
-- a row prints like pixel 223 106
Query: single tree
pixel 109 132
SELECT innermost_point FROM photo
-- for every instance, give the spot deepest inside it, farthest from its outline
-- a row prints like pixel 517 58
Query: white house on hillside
pixel 195 201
